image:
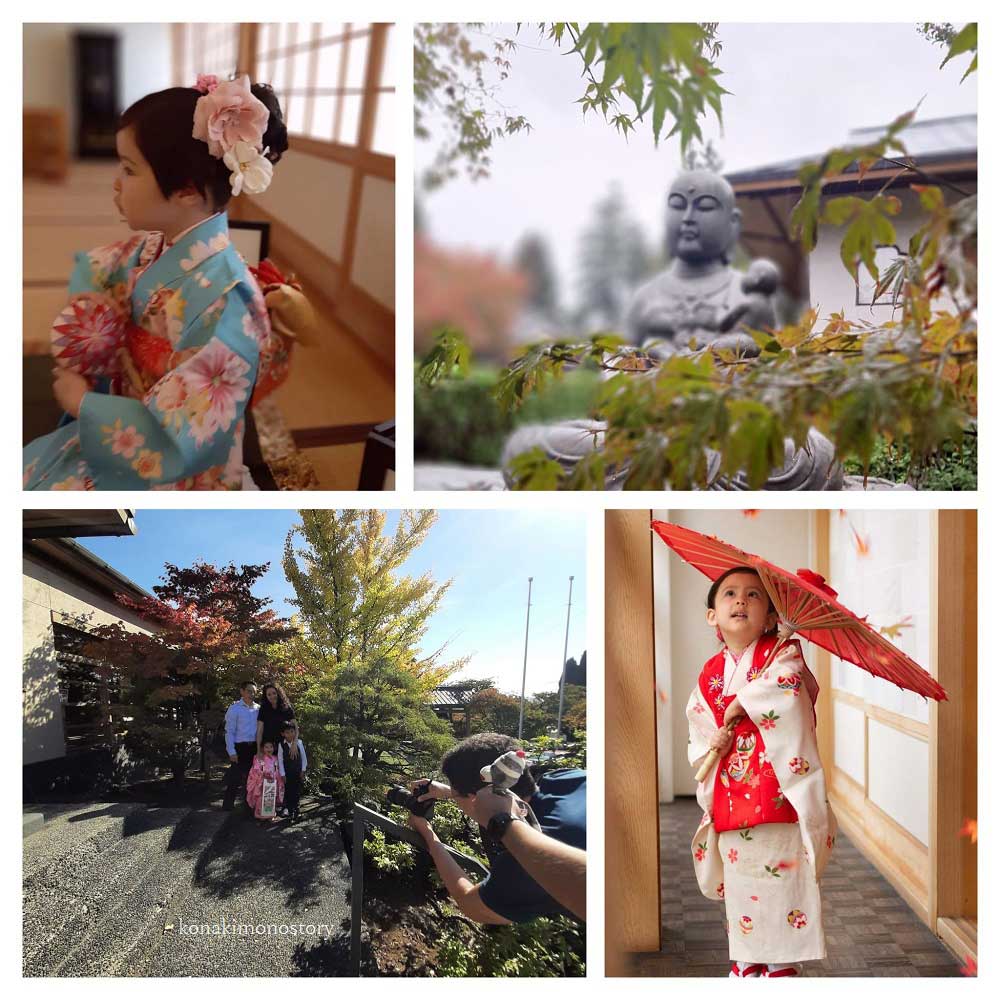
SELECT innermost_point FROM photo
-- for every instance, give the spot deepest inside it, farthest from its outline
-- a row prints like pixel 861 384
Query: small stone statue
pixel 699 302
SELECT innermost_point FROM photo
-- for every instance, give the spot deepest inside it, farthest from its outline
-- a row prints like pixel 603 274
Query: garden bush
pixel 460 421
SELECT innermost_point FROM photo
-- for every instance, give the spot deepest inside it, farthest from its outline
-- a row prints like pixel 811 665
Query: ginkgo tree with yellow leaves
pixel 361 695
pixel 907 386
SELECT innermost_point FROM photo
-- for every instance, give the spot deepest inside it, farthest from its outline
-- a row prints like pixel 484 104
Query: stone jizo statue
pixel 700 301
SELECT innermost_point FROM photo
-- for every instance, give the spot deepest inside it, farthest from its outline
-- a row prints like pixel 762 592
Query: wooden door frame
pixel 632 822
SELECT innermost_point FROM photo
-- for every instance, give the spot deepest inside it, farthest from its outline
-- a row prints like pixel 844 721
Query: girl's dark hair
pixel 283 701
pixel 714 589
pixel 162 125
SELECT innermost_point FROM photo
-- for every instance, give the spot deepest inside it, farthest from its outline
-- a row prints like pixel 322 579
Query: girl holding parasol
pixel 767 829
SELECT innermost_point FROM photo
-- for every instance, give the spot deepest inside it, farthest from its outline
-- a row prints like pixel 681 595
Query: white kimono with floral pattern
pixel 768 874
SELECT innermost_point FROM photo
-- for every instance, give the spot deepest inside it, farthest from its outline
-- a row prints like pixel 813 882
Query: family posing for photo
pixel 267 758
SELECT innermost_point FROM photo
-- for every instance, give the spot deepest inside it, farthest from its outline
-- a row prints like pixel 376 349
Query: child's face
pixel 138 196
pixel 268 749
pixel 742 609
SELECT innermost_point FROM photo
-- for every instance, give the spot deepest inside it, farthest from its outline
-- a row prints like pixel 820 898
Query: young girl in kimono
pixel 767 829
pixel 265 768
pixel 165 335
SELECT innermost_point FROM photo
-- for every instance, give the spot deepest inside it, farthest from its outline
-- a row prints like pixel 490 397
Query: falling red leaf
pixel 751 513
pixel 756 899
pixel 971 967
pixel 970 829
pixel 862 543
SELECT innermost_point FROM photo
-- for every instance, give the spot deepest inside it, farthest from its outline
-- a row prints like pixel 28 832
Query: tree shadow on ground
pixel 332 958
pixel 139 819
pixel 293 859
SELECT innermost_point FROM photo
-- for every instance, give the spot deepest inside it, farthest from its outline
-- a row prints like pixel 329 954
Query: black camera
pixel 400 796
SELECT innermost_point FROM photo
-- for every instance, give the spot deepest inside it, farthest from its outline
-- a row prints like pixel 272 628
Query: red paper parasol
pixel 807 606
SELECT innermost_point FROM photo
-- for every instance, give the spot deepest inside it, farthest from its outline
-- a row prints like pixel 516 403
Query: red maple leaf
pixel 970 829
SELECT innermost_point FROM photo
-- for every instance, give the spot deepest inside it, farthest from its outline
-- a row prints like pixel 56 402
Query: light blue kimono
pixel 170 340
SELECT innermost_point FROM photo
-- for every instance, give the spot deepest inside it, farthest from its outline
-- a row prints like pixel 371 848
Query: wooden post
pixel 632 822
pixel 357 888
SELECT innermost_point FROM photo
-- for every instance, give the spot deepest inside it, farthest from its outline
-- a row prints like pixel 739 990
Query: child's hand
pixel 68 388
pixel 721 741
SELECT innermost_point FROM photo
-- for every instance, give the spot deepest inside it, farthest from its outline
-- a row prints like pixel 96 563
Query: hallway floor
pixel 870 931
pixel 333 384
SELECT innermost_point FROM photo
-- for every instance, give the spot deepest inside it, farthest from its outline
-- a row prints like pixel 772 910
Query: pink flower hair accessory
pixel 207 82
pixel 228 114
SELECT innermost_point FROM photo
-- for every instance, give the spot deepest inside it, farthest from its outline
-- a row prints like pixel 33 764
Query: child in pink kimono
pixel 767 829
pixel 265 769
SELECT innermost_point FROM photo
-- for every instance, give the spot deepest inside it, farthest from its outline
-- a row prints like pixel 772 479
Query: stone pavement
pixel 870 931
pixel 108 887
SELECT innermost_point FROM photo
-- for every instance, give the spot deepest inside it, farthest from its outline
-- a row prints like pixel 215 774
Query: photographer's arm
pixel 460 887
pixel 559 869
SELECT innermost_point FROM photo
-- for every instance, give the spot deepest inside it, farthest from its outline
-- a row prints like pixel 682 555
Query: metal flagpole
pixel 562 681
pixel 524 673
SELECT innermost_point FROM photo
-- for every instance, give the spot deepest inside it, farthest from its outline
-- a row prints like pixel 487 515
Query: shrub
pixel 547 946
pixel 953 468
pixel 460 421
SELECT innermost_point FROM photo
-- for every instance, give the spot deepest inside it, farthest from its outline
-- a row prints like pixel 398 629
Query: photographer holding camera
pixel 534 872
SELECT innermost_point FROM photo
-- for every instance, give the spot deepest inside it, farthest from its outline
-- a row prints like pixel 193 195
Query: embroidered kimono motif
pixel 171 340
pixel 766 873
pixel 264 769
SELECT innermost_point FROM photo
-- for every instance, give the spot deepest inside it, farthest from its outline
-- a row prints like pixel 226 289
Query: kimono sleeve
pixel 89 332
pixel 701 729
pixel 188 421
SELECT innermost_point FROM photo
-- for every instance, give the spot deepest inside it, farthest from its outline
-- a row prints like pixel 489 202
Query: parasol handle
pixel 712 757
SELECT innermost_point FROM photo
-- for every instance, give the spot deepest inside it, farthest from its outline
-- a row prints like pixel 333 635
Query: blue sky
pixel 488 554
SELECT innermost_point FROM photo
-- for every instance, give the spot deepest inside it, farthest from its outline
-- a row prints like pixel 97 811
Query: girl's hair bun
pixel 276 135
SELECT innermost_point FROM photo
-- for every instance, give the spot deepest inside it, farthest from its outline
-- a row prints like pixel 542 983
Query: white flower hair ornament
pixel 232 122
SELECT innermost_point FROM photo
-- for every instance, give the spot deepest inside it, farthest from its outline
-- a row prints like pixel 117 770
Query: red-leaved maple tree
pixel 207 631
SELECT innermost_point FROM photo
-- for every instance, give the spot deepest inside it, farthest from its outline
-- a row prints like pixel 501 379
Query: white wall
pixel 375 253
pixel 47 594
pixel 888 584
pixel 831 288
pixel 144 64
pixel 683 639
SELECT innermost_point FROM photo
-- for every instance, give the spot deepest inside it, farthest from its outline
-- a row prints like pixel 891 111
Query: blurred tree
pixel 614 258
pixel 534 258
pixel 466 290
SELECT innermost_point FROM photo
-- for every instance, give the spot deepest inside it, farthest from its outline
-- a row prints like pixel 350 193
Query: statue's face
pixel 702 220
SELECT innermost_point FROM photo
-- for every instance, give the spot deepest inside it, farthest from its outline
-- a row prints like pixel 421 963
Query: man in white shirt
pixel 241 742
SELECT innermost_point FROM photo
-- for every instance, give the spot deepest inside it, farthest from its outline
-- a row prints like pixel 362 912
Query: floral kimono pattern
pixel 171 340
pixel 264 769
pixel 768 874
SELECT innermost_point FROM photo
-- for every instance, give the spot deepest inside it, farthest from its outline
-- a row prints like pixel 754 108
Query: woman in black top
pixel 275 711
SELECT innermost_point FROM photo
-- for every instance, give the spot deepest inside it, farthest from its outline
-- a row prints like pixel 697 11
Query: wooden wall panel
pixel 632 863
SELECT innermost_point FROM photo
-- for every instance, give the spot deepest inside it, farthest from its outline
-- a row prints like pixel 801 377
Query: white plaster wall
pixel 782 536
pixel 831 288
pixel 47 594
pixel 888 583
pixel 310 194
pixel 374 267
pixel 144 65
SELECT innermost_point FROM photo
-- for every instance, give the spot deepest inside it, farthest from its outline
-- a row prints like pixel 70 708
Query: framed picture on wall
pixel 251 239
